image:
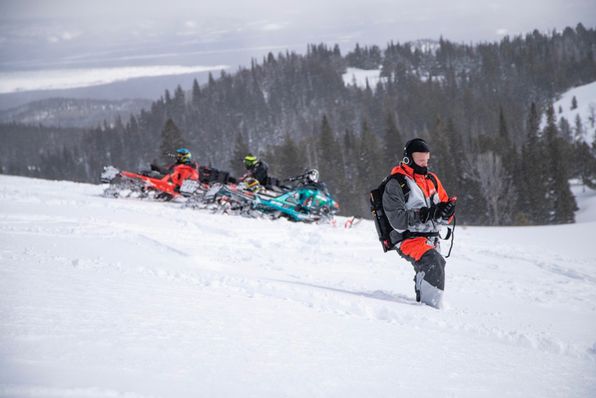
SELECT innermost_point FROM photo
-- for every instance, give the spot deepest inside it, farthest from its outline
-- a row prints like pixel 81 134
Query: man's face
pixel 421 158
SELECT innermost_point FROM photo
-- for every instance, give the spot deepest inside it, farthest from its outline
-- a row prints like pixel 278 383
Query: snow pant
pixel 429 265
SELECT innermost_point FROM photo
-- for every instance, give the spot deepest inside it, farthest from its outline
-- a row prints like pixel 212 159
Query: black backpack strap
pixel 401 179
pixel 432 177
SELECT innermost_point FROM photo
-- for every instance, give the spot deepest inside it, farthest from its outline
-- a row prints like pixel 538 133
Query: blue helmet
pixel 183 155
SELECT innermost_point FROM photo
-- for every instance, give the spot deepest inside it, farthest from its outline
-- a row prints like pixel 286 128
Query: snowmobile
pixel 148 184
pixel 200 192
pixel 304 199
pixel 306 203
pixel 233 198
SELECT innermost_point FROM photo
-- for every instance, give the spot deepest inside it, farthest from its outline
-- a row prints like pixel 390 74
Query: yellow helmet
pixel 250 160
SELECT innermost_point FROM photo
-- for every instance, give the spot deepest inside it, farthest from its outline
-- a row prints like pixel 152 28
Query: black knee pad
pixel 433 266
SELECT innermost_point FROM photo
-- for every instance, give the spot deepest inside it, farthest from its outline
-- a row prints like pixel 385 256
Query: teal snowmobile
pixel 303 198
pixel 308 200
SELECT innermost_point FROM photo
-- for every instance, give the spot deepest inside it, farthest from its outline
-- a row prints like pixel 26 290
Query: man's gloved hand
pixel 435 212
pixel 429 213
pixel 445 209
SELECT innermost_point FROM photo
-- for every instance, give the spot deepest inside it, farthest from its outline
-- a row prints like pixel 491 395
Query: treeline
pixel 479 106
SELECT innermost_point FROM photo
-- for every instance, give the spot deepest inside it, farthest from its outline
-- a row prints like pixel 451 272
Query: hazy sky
pixel 461 20
pixel 506 12
pixel 37 35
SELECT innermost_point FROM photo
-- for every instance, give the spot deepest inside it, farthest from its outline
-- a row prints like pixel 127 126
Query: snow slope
pixel 120 298
pixel 586 202
pixel 586 109
pixel 358 77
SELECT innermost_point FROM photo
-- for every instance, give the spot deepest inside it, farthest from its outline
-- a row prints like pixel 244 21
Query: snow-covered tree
pixel 488 171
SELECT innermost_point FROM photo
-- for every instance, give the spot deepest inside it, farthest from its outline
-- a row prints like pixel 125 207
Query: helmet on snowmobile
pixel 183 155
pixel 250 160
pixel 312 175
pixel 415 145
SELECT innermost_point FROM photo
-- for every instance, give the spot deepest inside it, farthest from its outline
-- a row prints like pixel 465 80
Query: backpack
pixel 380 219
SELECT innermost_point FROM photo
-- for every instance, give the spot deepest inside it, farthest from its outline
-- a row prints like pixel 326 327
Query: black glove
pixel 429 213
pixel 446 209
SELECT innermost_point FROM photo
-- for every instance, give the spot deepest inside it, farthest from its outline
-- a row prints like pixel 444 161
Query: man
pixel 256 169
pixel 310 180
pixel 184 168
pixel 417 206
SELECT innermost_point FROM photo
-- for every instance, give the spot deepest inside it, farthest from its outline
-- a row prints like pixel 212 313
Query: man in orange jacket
pixel 184 168
pixel 417 206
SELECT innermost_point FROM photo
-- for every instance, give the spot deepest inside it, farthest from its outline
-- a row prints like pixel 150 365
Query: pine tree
pixel 562 201
pixel 241 149
pixel 132 125
pixel 565 129
pixel 503 129
pixel 369 166
pixel 171 139
pixel 579 128
pixel 350 200
pixel 329 156
pixel 178 106
pixel 196 93
pixel 533 202
pixel 504 146
pixel 585 164
pixel 440 151
pixel 592 115
pixel 393 144
pixel 291 158
pixel 457 159
pixel 167 98
pixel 573 103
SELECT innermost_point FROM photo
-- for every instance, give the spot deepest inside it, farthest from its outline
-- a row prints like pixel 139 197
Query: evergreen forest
pixel 485 109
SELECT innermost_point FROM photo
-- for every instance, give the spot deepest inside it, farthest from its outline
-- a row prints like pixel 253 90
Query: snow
pixel 586 202
pixel 586 109
pixel 122 298
pixel 19 81
pixel 426 45
pixel 358 77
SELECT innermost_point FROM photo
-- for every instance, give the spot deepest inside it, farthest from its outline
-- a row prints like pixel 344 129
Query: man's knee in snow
pixel 433 266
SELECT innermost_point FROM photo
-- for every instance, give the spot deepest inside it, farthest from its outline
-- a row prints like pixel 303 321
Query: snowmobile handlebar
pixel 300 177
pixel 291 179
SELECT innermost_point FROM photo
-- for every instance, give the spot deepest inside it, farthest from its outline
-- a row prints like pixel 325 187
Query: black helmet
pixel 415 145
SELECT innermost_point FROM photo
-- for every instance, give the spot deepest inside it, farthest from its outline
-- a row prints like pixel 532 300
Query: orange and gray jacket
pixel 404 213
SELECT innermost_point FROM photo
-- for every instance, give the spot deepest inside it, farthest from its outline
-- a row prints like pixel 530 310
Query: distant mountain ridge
pixel 73 112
